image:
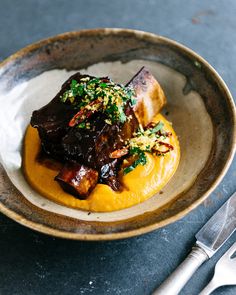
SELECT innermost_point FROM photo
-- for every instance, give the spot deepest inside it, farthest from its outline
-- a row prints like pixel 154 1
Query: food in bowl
pixel 101 146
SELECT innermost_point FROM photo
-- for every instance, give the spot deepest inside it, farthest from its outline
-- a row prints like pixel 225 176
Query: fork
pixel 225 272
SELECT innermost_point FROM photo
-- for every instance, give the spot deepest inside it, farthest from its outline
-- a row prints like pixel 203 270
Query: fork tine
pixel 231 250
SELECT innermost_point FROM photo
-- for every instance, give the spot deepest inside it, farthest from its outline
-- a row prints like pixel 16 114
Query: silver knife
pixel 209 240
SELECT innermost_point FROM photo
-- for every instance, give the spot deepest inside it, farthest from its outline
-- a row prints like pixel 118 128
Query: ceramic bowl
pixel 200 107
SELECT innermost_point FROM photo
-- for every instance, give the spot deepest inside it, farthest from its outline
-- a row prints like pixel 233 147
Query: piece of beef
pixel 90 147
pixel 112 138
pixel 77 179
pixel 52 121
pixel 86 146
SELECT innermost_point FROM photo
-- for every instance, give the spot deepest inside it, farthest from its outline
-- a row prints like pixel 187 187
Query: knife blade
pixel 219 228
pixel 210 238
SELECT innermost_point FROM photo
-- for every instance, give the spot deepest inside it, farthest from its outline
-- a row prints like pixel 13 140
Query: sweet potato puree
pixel 140 184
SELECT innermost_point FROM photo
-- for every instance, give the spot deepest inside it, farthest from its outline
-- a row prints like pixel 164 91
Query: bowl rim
pixel 145 229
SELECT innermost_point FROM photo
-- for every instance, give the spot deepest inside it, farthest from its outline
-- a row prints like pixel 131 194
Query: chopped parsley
pixel 82 125
pixel 141 159
pixel 151 140
pixel 110 98
pixel 157 128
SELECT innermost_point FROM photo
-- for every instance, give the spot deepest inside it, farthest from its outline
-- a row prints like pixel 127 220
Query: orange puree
pixel 140 184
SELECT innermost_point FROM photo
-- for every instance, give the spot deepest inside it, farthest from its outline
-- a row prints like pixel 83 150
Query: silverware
pixel 209 240
pixel 225 272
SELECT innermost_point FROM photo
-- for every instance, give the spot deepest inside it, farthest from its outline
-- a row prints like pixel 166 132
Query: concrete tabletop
pixel 35 264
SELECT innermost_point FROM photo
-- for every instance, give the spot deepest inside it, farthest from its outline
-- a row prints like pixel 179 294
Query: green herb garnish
pixel 82 125
pixel 113 97
pixel 141 160
pixel 158 127
pixel 133 101
pixel 150 140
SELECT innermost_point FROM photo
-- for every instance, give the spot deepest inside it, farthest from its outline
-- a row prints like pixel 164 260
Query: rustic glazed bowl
pixel 199 105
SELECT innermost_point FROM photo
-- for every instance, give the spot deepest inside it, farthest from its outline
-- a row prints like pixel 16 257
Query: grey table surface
pixel 32 263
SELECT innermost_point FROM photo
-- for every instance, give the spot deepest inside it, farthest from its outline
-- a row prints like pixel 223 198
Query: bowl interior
pixel 199 106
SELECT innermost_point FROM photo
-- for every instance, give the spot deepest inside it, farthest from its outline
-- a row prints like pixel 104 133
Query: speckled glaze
pixel 77 50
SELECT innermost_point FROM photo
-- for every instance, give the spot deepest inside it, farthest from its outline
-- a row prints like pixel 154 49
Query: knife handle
pixel 177 280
